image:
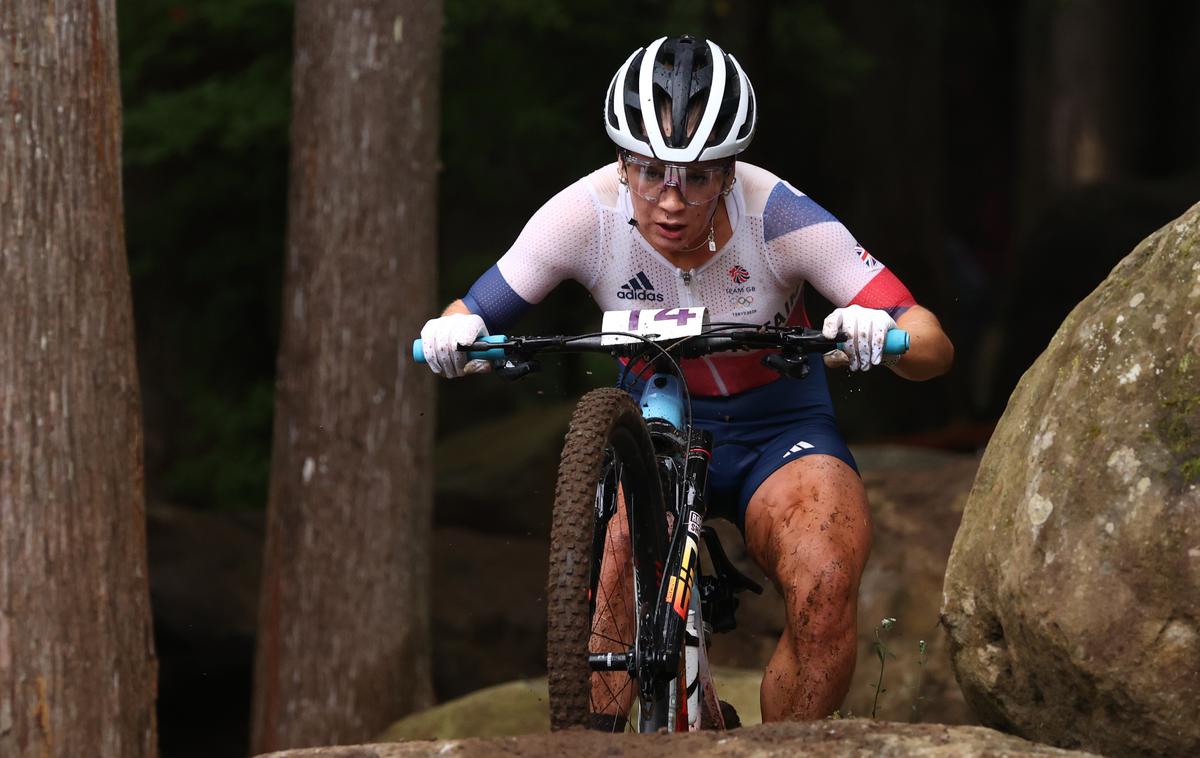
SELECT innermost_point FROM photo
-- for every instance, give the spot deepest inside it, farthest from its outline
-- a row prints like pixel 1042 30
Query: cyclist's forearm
pixel 458 306
pixel 930 351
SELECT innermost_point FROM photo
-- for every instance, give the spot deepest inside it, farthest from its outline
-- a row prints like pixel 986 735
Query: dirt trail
pixel 853 737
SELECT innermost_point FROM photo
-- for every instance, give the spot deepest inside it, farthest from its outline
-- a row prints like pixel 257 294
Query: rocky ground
pixel 853 737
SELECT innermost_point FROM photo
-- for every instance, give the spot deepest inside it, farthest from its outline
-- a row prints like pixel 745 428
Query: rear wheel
pixel 607 548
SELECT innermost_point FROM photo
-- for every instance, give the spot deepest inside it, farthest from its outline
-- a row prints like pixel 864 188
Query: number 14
pixel 679 315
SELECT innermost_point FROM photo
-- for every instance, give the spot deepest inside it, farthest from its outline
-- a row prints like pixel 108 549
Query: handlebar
pixel 499 346
pixel 489 354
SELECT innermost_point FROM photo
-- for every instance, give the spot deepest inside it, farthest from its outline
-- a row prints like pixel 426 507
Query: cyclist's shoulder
pixel 765 192
pixel 780 204
pixel 603 185
pixel 577 203
pixel 756 185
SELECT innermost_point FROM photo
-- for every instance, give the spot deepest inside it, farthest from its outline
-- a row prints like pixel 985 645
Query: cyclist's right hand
pixel 441 337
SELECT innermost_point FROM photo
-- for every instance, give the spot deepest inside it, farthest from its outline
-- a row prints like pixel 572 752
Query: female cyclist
pixel 678 221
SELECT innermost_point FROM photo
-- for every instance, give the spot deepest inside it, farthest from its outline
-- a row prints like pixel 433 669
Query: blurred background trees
pixel 943 134
pixel 206 88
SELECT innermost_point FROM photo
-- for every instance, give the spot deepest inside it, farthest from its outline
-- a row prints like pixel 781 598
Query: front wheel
pixel 608 544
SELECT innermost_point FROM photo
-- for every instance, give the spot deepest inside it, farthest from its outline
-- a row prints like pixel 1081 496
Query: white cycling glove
pixel 440 338
pixel 865 329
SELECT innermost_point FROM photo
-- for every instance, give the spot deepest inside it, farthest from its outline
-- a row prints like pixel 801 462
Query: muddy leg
pixel 809 528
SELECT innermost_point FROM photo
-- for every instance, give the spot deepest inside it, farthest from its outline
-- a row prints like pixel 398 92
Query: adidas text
pixel 640 295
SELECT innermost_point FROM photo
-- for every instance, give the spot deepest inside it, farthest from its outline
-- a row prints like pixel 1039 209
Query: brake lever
pixel 512 371
pixel 792 367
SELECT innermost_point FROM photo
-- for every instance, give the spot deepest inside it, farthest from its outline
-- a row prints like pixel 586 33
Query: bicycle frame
pixel 678 614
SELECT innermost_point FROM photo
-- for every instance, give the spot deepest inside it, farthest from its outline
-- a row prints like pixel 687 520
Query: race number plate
pixel 663 324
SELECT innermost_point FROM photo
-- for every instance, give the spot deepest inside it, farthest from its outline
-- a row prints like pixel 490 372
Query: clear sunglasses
pixel 698 183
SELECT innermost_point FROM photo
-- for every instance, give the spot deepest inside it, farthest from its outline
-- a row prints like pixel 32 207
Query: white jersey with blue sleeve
pixel 782 240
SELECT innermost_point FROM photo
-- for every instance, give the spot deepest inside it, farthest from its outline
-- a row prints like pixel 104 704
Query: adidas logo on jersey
pixel 639 288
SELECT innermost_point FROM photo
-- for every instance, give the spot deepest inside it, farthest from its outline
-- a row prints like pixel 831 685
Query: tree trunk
pixel 344 638
pixel 77 667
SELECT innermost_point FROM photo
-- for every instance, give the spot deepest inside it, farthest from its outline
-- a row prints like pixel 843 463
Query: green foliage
pixel 206 90
pixel 232 470
pixel 204 74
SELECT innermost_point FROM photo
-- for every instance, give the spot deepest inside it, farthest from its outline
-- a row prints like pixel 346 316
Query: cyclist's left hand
pixel 865 329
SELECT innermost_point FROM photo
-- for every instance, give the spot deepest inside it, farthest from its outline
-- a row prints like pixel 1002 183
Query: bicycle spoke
pixel 611 695
pixel 614 698
pixel 621 597
pixel 607 609
pixel 613 640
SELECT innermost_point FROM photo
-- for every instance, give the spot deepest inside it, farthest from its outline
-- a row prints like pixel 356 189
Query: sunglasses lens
pixel 697 184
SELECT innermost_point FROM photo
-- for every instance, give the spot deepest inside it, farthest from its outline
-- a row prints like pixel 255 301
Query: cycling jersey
pixel 781 240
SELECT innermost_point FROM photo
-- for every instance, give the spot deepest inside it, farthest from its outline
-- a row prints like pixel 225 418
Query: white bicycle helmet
pixel 679 75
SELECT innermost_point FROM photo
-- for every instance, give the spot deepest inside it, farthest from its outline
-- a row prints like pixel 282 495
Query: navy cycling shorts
pixel 757 432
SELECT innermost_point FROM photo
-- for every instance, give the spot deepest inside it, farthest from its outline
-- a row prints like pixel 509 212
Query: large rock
pixel 821 739
pixel 1072 595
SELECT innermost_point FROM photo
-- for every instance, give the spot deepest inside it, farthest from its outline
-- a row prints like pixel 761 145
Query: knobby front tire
pixel 607 444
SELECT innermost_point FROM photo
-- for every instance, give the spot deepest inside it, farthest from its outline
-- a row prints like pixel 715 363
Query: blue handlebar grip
pixel 495 354
pixel 895 343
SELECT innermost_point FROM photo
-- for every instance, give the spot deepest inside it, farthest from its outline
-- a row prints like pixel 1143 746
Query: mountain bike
pixel 627 629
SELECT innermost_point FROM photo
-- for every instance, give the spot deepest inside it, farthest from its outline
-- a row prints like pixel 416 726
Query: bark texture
pixel 77 666
pixel 344 641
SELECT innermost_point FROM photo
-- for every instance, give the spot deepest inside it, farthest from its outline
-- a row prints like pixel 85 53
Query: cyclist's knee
pixel 817 571
pixel 820 597
pixel 808 515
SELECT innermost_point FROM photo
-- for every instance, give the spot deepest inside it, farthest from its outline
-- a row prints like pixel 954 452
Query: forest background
pixel 999 157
